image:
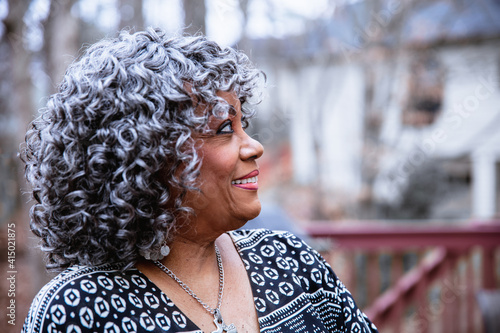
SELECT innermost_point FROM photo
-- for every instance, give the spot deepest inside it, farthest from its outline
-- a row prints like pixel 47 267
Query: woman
pixel 142 171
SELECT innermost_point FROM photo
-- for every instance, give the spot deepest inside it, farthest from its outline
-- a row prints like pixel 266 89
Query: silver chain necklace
pixel 218 321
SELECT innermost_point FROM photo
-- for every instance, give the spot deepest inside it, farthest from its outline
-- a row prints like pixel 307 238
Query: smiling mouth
pixel 248 182
pixel 245 181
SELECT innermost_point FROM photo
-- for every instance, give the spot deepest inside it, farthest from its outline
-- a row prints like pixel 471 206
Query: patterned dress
pixel 294 290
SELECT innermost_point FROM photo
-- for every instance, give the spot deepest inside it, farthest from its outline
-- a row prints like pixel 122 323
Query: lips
pixel 248 182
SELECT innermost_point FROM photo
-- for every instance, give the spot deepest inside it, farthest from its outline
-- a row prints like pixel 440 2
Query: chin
pixel 255 213
pixel 249 215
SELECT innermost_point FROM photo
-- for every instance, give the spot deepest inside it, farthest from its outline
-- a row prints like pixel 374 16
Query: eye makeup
pixel 226 127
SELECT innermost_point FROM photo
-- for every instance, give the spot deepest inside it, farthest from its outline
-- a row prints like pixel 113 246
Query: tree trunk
pixel 194 16
pixel 61 40
pixel 16 111
pixel 131 15
pixel 16 107
pixel 16 79
pixel 244 43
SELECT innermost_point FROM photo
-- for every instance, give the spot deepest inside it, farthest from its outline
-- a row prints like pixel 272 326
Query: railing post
pixel 489 281
pixel 470 293
pixel 373 270
pixel 448 295
pixel 351 274
pixel 396 267
pixel 421 309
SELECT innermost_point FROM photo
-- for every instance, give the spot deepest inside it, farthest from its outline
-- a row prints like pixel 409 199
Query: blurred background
pixel 381 124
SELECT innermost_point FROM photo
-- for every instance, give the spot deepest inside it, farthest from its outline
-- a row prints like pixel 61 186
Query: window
pixel 425 91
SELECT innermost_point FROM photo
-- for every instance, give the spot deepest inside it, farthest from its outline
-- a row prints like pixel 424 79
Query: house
pixel 390 111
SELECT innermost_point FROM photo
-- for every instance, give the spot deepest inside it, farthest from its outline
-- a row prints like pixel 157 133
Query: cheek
pixel 215 177
pixel 220 165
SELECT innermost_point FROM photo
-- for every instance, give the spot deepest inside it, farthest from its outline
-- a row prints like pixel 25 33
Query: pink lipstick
pixel 248 182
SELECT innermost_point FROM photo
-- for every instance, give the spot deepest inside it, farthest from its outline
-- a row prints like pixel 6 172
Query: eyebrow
pixel 232 109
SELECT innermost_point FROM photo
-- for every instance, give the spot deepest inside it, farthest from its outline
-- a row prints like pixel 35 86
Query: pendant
pixel 221 325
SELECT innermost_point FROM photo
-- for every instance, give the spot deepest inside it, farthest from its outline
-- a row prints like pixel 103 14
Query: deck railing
pixel 435 293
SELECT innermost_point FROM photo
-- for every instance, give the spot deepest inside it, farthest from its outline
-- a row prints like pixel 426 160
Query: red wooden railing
pixel 438 293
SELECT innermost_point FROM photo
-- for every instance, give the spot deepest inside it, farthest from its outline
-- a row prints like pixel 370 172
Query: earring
pixel 154 255
pixel 165 250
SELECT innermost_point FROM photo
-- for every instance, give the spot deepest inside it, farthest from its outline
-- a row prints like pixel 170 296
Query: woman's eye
pixel 226 128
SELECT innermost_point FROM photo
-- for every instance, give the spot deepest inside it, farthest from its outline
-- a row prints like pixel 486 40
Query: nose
pixel 250 149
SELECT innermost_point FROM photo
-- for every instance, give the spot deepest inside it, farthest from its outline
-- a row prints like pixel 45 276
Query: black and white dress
pixel 294 290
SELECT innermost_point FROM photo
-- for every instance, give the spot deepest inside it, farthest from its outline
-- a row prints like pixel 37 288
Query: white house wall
pixel 391 124
pixel 470 122
pixel 325 106
pixel 471 101
pixel 468 126
pixel 342 129
pixel 399 158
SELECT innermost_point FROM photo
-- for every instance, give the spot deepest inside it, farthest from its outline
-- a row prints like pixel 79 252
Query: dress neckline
pixel 190 323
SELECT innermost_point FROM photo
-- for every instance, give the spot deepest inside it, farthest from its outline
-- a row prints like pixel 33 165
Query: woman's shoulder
pixel 82 278
pixel 82 296
pixel 91 280
pixel 282 251
pixel 287 269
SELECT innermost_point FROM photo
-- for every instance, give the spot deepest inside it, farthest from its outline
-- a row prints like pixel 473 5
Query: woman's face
pixel 228 175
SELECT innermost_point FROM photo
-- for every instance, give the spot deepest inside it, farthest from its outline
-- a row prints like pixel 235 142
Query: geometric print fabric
pixel 294 290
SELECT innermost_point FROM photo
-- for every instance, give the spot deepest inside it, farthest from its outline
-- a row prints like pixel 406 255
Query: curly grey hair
pixel 111 156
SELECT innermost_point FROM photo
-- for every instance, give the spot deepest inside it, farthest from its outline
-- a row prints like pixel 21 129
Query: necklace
pixel 218 321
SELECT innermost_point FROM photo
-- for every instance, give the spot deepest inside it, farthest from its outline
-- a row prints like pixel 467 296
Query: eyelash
pixel 224 125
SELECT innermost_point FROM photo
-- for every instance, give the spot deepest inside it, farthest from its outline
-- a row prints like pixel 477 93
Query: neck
pixel 191 258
